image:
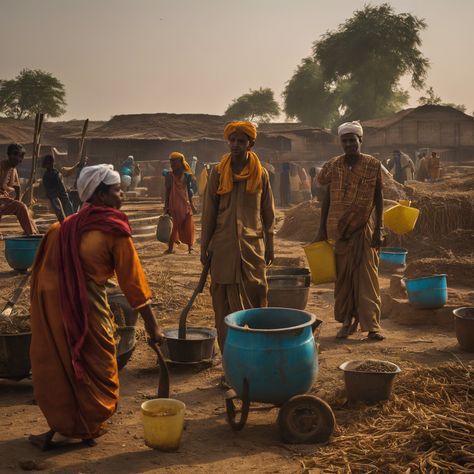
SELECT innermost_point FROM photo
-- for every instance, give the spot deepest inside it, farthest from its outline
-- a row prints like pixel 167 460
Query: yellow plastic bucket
pixel 401 219
pixel 321 261
pixel 163 422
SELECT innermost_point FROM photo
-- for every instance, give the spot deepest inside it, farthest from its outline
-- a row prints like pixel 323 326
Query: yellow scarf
pixel 252 173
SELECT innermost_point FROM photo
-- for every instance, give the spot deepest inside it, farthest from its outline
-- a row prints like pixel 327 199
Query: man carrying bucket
pixel 237 227
pixel 352 216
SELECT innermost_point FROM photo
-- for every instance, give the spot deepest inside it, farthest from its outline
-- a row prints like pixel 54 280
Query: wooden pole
pixel 27 197
pixel 81 155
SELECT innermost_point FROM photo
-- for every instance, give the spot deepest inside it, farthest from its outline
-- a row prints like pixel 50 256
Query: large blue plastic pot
pixel 276 353
pixel 428 292
pixel 394 256
pixel 20 252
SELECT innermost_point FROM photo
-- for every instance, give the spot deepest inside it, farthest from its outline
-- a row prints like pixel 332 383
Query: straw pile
pixel 428 427
pixel 14 325
pixel 442 213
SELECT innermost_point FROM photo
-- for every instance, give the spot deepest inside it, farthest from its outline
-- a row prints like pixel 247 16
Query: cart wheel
pixel 306 419
pixel 231 411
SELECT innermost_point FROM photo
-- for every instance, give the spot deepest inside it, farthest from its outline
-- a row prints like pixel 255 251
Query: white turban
pixel 350 127
pixel 90 178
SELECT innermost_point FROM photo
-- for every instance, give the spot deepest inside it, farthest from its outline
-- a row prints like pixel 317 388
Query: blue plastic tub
pixel 394 256
pixel 276 353
pixel 428 292
pixel 20 252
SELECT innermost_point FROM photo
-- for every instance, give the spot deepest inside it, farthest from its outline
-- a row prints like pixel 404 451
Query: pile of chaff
pixel 427 427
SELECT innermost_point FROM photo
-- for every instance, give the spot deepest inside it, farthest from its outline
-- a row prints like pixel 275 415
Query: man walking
pixel 55 189
pixel 238 227
pixel 352 216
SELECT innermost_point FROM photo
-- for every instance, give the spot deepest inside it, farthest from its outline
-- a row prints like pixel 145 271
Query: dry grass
pixel 427 427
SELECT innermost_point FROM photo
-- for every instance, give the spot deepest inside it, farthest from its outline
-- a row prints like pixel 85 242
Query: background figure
pixel 10 204
pixel 285 185
pixel 55 189
pixel 136 177
pixel 422 172
pixel 434 166
pixel 179 201
pixel 401 166
pixel 126 173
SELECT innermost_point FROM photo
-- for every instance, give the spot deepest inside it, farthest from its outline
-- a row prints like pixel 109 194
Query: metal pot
pixel 197 347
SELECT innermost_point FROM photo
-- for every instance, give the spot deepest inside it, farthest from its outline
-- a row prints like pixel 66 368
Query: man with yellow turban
pixel 238 227
pixel 352 216
pixel 179 201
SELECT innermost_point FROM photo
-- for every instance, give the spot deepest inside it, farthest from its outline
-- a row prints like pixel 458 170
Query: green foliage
pixel 308 98
pixel 432 99
pixel 371 52
pixel 258 105
pixel 32 91
pixel 356 69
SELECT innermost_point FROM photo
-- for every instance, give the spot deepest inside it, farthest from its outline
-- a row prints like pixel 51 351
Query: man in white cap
pixel 352 216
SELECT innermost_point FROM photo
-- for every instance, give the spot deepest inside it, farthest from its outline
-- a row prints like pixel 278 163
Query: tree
pixel 355 70
pixel 432 99
pixel 308 98
pixel 259 105
pixel 32 91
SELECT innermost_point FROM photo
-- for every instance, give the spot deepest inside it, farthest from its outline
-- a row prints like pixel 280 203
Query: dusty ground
pixel 208 444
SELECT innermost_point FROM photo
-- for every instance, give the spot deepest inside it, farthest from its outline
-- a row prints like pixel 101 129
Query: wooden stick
pixel 80 157
pixel 27 197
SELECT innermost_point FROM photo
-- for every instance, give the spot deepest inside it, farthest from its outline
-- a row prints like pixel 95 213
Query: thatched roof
pixel 160 126
pixel 385 122
pixel 22 131
pixel 183 127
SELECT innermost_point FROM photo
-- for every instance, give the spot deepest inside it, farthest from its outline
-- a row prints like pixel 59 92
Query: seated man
pixel 10 204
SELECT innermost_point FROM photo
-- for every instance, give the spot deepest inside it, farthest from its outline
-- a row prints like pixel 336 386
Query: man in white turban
pixel 350 127
pixel 73 357
pixel 352 217
pixel 90 178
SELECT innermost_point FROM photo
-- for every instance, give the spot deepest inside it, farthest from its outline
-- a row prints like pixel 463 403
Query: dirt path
pixel 208 444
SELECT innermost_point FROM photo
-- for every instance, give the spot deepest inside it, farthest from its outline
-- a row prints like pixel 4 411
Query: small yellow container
pixel 322 262
pixel 163 423
pixel 401 219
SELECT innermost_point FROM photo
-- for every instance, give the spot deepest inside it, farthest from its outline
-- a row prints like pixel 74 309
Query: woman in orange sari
pixel 179 201
pixel 73 359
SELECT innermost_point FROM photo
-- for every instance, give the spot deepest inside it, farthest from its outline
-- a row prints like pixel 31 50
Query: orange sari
pixel 79 408
pixel 181 212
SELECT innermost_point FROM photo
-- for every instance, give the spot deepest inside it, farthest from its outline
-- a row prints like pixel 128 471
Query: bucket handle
pixel 231 411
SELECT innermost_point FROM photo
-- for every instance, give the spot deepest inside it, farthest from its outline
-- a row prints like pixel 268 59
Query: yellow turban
pixel 179 156
pixel 247 127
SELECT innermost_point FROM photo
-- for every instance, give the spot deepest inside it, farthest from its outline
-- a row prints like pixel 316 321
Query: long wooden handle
pixel 80 157
pixel 164 380
pixel 199 289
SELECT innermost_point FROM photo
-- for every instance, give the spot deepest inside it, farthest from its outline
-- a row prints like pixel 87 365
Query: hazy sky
pixel 118 56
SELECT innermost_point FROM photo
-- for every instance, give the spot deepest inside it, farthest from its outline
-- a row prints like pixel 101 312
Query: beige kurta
pixel 234 228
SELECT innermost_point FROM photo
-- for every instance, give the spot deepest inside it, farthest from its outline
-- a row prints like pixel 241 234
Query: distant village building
pixel 439 128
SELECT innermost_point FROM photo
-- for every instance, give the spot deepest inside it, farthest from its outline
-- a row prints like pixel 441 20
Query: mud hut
pixel 440 128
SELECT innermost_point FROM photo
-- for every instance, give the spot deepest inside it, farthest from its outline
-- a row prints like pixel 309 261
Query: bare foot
pixel 169 252
pixel 43 441
pixel 343 333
